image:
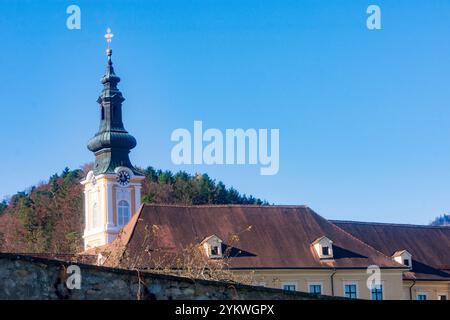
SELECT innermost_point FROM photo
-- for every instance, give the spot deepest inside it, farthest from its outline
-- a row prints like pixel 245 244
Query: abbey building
pixel 285 247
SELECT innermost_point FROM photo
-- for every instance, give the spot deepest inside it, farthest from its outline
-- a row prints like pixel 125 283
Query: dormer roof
pixel 401 252
pixel 320 239
pixel 212 237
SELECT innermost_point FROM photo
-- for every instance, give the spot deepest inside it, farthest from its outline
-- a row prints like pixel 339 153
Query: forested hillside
pixel 49 217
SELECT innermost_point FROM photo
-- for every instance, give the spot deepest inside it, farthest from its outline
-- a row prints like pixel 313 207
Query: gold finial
pixel 109 35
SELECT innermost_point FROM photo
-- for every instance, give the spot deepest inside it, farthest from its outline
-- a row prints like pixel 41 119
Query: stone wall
pixel 24 277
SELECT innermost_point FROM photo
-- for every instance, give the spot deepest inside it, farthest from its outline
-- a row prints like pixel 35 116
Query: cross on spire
pixel 109 35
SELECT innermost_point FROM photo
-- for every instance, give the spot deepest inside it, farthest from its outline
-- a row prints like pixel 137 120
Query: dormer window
pixel 100 259
pixel 323 247
pixel 214 250
pixel 403 257
pixel 213 247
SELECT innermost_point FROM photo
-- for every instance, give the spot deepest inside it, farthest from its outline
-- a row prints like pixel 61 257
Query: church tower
pixel 112 190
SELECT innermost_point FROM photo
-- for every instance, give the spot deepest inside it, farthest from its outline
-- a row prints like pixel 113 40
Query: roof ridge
pixel 391 224
pixel 134 220
pixel 223 205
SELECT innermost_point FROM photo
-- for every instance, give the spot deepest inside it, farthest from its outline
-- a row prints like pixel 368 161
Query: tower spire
pixel 112 143
pixel 113 187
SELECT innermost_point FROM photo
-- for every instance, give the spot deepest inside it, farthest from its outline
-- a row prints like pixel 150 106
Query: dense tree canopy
pixel 443 220
pixel 49 217
pixel 166 187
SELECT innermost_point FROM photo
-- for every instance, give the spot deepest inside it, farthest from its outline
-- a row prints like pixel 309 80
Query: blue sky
pixel 364 116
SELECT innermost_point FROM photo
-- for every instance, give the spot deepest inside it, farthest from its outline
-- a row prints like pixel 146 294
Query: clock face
pixel 123 178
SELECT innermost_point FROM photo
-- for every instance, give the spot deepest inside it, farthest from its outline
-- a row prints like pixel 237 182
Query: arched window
pixel 95 216
pixel 123 215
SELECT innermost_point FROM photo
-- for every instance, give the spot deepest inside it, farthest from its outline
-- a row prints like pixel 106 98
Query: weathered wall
pixel 391 280
pixel 24 277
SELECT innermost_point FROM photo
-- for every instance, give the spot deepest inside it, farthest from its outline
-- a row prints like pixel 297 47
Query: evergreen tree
pixel 443 220
pixel 3 206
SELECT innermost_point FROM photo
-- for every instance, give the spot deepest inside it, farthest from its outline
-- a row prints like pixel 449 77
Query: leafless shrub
pixel 190 261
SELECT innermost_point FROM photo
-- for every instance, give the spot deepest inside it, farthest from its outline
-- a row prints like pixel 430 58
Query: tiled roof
pixel 268 236
pixel 428 245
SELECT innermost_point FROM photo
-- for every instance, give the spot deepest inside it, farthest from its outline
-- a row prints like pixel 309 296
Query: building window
pixel 377 292
pixel 214 250
pixel 325 251
pixel 315 288
pixel 123 210
pixel 350 291
pixel 289 287
pixel 421 296
pixel 103 113
pixel 95 216
pixel 442 297
pixel 406 262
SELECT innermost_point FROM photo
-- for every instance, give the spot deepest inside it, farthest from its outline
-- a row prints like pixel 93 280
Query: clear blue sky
pixel 364 116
